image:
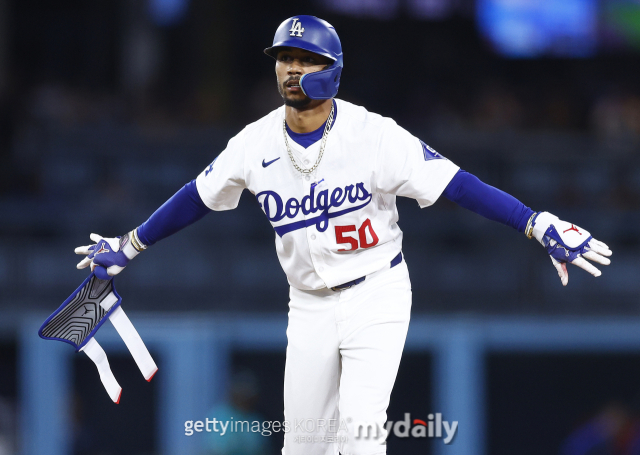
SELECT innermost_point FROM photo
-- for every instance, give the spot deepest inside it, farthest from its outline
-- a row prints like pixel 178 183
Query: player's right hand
pixel 111 253
pixel 567 243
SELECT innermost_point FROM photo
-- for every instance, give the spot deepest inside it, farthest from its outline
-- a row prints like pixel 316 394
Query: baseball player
pixel 326 173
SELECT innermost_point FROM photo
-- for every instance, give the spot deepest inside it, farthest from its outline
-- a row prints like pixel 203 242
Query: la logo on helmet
pixel 296 28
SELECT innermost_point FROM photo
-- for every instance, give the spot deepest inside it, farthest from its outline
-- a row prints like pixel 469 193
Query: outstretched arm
pixel 563 241
pixel 181 210
pixel 470 192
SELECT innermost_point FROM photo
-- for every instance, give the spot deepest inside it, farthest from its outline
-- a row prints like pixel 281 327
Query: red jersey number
pixel 362 236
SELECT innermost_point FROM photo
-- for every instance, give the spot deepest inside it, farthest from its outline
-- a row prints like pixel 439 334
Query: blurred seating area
pixel 101 124
pixel 109 179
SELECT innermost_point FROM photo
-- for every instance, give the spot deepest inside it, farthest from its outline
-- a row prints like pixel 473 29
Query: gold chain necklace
pixel 327 128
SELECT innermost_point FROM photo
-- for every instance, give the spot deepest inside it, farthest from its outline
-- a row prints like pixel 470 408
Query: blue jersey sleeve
pixel 470 192
pixel 183 209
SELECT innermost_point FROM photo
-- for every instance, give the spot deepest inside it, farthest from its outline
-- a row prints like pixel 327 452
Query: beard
pixel 294 103
pixel 297 104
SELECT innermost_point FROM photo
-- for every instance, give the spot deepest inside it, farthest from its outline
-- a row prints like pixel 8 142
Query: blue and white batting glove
pixel 567 243
pixel 111 253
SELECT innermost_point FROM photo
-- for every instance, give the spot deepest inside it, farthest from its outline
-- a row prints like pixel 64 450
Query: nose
pixel 294 67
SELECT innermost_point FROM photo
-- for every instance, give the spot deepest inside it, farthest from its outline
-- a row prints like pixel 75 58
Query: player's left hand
pixel 111 253
pixel 567 243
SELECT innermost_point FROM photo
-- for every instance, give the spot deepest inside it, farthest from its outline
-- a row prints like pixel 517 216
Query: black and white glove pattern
pixel 567 243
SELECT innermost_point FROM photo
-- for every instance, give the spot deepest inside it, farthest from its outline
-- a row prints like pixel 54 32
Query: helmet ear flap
pixel 321 85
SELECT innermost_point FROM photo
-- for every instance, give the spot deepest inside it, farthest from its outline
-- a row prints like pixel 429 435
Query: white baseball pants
pixel 343 354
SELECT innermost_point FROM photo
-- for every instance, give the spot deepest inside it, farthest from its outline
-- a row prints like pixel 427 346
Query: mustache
pixel 292 79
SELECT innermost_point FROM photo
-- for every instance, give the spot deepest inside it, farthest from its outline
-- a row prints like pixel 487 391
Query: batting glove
pixel 111 253
pixel 566 242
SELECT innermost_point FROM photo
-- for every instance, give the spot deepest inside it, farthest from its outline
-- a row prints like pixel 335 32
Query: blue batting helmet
pixel 314 35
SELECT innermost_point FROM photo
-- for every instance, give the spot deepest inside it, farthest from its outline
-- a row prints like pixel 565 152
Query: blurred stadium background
pixel 108 107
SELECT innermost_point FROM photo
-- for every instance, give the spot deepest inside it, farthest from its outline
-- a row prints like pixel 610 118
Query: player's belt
pixel 349 284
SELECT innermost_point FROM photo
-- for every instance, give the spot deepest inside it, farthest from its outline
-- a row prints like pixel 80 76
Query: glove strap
pixel 135 241
pixel 131 245
pixel 528 231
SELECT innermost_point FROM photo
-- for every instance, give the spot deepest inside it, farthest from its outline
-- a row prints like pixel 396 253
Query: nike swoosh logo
pixel 269 162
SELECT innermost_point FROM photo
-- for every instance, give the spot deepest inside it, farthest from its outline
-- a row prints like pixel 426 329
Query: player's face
pixel 291 64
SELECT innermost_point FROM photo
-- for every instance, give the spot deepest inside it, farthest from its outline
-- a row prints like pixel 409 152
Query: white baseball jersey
pixel 340 222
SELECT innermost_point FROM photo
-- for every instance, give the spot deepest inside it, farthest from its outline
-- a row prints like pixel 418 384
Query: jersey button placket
pixel 314 246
